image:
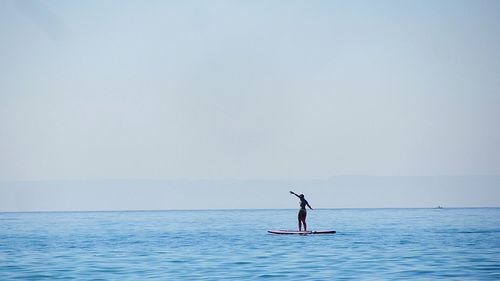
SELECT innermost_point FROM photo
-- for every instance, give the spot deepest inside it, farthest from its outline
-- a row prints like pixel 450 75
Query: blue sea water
pixel 370 244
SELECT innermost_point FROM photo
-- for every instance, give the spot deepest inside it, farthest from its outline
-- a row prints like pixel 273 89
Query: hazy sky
pixel 338 192
pixel 248 89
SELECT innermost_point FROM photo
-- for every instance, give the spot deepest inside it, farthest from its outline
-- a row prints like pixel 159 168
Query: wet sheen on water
pixel 234 244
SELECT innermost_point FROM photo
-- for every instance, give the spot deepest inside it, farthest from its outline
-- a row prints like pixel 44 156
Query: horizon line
pixel 248 209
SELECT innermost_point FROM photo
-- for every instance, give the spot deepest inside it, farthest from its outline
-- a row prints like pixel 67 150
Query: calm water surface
pixel 371 244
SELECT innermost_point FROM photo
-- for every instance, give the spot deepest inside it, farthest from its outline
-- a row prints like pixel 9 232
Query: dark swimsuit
pixel 302 211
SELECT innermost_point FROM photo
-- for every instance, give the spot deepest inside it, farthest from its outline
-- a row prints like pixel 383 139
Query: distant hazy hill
pixel 337 192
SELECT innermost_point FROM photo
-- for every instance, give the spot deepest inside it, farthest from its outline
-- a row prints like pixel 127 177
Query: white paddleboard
pixel 301 232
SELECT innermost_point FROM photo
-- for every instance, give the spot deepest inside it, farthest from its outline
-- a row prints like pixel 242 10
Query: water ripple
pixel 370 245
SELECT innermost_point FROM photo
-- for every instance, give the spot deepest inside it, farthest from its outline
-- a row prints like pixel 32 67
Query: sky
pixel 248 90
pixel 337 192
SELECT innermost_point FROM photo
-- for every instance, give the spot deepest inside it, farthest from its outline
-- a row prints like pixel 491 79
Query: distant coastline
pixel 340 192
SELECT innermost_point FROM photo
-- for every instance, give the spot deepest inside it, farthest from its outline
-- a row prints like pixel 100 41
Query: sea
pixel 370 244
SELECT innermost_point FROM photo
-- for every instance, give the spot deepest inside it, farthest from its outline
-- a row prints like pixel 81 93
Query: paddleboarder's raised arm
pixel 291 192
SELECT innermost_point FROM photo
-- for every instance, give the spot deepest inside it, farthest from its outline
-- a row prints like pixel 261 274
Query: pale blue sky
pixel 338 192
pixel 248 89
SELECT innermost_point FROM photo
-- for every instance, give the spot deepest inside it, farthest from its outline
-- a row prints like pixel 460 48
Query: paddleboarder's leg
pixel 304 221
pixel 299 217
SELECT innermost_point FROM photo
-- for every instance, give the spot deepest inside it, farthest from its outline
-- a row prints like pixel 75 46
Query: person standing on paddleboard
pixel 302 212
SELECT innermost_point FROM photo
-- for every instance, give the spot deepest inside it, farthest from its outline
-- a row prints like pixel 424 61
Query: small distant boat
pixel 439 207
